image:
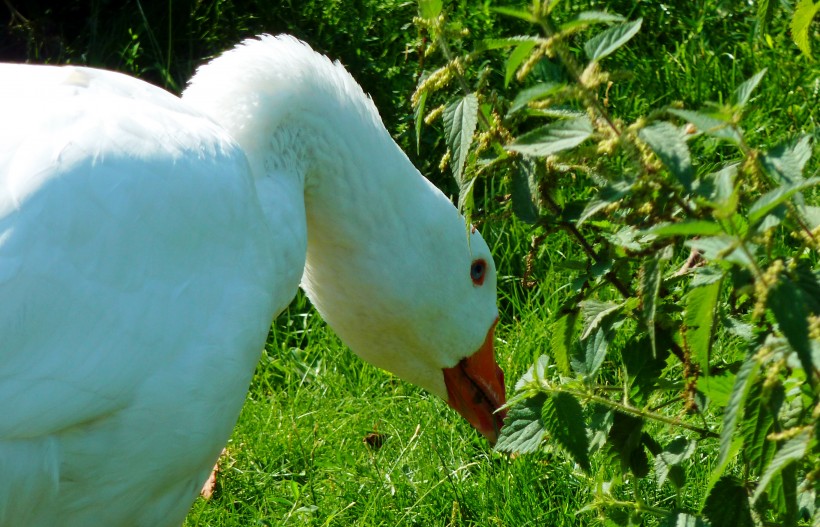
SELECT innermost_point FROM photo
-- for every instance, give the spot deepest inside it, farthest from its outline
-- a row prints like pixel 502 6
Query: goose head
pixel 418 301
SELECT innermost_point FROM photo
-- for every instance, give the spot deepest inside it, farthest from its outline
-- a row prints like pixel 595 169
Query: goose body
pixel 147 241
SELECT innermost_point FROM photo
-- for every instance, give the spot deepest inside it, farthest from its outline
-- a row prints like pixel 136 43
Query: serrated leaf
pixel 726 248
pixel 525 189
pixel 534 93
pixel 501 43
pixel 687 228
pixel 626 440
pixel 682 519
pixel 553 138
pixel 536 372
pixel 599 426
pixel 595 312
pixel 744 91
pixel 563 331
pixel 709 125
pixel 587 18
pixel 734 412
pixel 699 319
pixel 429 9
pixel 460 120
pixel 609 40
pixel 465 198
pixel 800 24
pixel 515 13
pixel 563 417
pixel 718 388
pixel 669 144
pixel 786 302
pixel 756 425
pixel 792 450
pixel 728 504
pixel 612 193
pixel 724 195
pixel 765 11
pixel 651 277
pixel 594 350
pixel 768 201
pixel 521 52
pixel 523 428
pixel 785 162
pixel 419 118
pixel 668 462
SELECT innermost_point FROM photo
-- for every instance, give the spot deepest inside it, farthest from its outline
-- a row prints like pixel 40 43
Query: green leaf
pixel 533 375
pixel 792 450
pixel 587 18
pixel 563 330
pixel 765 12
pixel 501 43
pixel 699 319
pixel 722 193
pixel 687 228
pixel 460 120
pixel 521 52
pixel 419 118
pixel 728 504
pixel 744 91
pixel 668 462
pixel 768 201
pixel 563 417
pixel 785 162
pixel 682 519
pixel 669 144
pixel 525 189
pixel 429 9
pixel 786 302
pixel 595 312
pixel 465 198
pixel 534 93
pixel 516 13
pixel 626 439
pixel 709 124
pixel 612 193
pixel 718 388
pixel 553 138
pixel 734 411
pixel 726 248
pixel 606 42
pixel 757 423
pixel 651 277
pixel 523 428
pixel 800 25
pixel 594 349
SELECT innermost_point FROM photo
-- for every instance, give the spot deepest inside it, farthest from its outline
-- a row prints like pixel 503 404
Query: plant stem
pixel 631 410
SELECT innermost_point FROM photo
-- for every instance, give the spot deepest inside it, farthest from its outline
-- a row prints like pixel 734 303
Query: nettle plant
pixel 691 336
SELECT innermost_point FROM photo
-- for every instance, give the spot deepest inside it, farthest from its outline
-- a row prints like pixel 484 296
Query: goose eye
pixel 477 271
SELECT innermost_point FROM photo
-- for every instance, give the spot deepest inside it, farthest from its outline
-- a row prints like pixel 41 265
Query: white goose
pixel 146 242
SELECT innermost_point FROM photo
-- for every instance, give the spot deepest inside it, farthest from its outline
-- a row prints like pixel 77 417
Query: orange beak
pixel 475 389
